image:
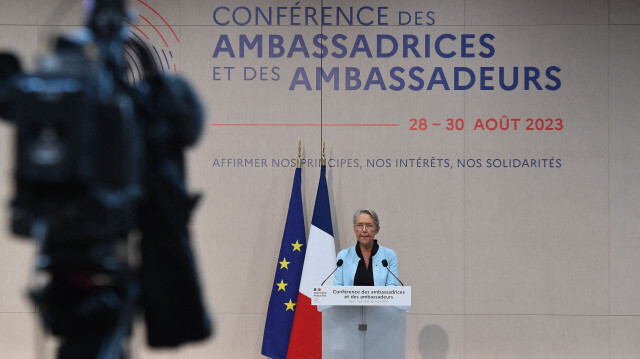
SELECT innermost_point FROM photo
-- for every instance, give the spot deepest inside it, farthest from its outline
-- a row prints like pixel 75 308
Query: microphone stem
pixel 385 264
pixel 329 276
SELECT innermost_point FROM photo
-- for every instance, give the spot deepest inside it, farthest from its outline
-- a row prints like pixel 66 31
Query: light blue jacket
pixel 381 277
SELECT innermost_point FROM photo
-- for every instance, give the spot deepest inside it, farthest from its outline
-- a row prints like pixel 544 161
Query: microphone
pixel 386 265
pixel 338 265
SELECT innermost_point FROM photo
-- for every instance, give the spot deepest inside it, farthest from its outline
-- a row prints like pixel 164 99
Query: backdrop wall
pixel 497 140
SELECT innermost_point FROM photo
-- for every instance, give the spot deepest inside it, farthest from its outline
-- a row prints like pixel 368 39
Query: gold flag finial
pixel 299 162
pixel 324 158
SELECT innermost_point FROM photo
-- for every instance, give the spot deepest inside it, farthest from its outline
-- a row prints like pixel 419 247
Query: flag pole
pixel 299 162
pixel 324 158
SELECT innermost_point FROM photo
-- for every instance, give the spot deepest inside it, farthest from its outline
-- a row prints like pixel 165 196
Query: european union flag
pixel 286 283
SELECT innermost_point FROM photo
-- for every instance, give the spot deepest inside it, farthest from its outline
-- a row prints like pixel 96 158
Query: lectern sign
pixel 362 296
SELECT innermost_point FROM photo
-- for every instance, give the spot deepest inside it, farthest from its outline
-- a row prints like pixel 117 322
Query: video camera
pixel 97 157
pixel 79 151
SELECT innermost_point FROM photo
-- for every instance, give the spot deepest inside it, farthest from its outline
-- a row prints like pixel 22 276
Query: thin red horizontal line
pixel 309 124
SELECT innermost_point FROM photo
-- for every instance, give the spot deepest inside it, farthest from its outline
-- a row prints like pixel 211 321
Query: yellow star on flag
pixel 284 264
pixel 296 246
pixel 290 305
pixel 281 285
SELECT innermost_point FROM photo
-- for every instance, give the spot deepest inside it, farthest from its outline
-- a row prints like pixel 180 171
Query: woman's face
pixel 365 229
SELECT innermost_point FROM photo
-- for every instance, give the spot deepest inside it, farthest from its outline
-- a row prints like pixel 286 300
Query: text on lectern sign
pixel 354 295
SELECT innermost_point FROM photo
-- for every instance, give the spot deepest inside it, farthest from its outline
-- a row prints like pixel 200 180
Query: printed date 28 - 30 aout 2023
pixel 503 123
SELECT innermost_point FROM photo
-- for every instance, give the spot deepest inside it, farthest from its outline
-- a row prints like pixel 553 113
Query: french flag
pixel 306 333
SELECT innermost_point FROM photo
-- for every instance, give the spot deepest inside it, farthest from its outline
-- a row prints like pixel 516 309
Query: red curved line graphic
pixel 137 28
pixel 162 37
pixel 165 21
pixel 309 124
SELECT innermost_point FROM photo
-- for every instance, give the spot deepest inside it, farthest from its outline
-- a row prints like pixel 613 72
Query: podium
pixel 363 322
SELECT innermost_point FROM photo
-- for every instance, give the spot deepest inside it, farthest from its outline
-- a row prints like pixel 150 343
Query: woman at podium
pixel 367 263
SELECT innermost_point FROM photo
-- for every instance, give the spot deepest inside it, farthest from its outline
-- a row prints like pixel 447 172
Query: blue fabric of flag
pixel 321 211
pixel 286 282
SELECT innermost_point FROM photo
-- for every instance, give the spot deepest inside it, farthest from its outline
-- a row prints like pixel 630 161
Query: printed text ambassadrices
pixel 406 46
